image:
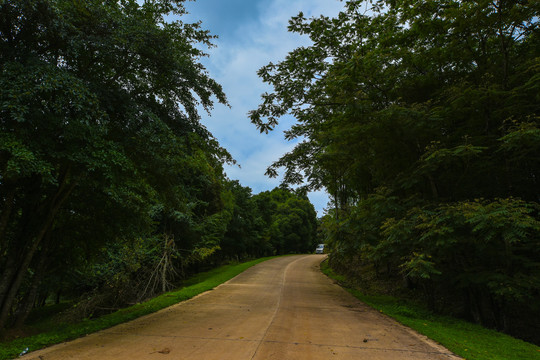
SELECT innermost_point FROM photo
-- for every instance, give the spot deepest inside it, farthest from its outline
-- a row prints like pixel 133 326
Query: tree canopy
pixel 421 119
pixel 109 184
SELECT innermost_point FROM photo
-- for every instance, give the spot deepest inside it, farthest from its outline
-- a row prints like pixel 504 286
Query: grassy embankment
pixel 65 331
pixel 470 341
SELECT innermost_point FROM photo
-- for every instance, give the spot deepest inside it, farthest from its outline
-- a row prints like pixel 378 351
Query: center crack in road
pixel 283 279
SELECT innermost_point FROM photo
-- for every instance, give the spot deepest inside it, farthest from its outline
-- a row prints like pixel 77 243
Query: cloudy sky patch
pixel 251 33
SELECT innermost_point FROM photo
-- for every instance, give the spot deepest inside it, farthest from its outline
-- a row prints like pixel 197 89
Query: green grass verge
pixel 62 332
pixel 470 341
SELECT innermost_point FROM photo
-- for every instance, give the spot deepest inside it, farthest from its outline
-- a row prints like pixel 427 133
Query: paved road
pixel 280 309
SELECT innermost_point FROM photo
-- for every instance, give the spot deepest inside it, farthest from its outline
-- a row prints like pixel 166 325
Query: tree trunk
pixel 17 281
pixel 29 301
pixel 7 277
pixel 473 306
pixel 30 298
pixel 54 206
pixel 14 250
pixel 164 274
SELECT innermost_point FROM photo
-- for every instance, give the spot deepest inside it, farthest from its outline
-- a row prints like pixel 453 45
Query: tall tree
pixel 421 118
pixel 96 97
pixel 290 220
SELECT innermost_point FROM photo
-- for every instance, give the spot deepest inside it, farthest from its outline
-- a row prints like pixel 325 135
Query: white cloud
pixel 234 64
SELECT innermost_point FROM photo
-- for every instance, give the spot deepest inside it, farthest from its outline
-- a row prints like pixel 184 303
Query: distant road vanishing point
pixel 284 308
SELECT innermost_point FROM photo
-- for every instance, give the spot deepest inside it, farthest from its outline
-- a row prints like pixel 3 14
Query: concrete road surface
pixel 283 308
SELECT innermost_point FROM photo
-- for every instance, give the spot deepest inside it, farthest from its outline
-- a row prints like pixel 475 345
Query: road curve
pixel 283 308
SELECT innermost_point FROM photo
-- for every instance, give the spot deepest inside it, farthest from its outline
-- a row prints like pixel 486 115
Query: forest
pixel 111 189
pixel 421 120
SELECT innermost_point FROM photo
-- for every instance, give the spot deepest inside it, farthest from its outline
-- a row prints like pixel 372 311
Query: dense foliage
pixel 272 222
pixel 422 120
pixel 109 185
pixel 289 221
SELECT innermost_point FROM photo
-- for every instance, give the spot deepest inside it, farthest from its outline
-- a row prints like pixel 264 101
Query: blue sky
pixel 251 34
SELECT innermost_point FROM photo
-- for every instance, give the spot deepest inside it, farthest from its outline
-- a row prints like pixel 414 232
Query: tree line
pixel 421 119
pixel 109 184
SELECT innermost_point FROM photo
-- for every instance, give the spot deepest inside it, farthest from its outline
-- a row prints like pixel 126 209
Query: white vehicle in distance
pixel 319 249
